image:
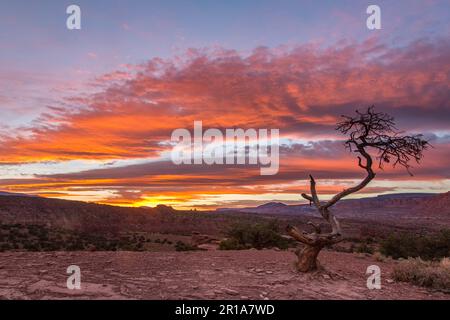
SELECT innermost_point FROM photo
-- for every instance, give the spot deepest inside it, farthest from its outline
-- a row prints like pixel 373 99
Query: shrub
pixel 432 247
pixel 231 244
pixel 5 247
pixel 431 274
pixel 259 236
pixel 379 257
pixel 31 247
pixel 183 246
pixel 364 248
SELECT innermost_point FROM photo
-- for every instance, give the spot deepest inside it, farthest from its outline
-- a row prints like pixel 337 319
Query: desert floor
pixel 251 274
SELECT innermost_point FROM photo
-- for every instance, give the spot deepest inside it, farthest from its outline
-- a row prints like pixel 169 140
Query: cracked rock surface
pixel 249 274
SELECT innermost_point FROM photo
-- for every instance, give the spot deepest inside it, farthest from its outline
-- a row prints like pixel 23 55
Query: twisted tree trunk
pixel 316 241
pixel 307 258
pixel 312 245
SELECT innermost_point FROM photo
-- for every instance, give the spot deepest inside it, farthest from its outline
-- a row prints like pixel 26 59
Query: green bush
pixel 364 248
pixel 259 236
pixel 232 244
pixel 432 247
pixel 5 247
pixel 183 246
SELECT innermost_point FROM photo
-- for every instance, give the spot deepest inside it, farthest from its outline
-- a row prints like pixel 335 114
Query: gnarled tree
pixel 371 134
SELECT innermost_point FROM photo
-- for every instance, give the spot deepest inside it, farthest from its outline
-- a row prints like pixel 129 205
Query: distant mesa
pixel 13 194
pixel 388 205
pixel 164 209
pixel 272 205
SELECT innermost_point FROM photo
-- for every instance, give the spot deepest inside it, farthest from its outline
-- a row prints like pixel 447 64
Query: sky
pixel 88 114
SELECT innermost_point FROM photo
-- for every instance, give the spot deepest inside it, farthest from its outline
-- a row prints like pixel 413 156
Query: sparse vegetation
pixel 431 274
pixel 183 246
pixel 364 247
pixel 258 236
pixel 40 238
pixel 20 237
pixel 379 257
pixel 432 247
pixel 232 244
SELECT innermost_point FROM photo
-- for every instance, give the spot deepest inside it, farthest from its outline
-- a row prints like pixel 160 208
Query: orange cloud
pixel 303 91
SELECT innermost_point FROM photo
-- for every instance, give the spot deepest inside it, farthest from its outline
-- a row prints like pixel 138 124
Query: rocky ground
pixel 251 274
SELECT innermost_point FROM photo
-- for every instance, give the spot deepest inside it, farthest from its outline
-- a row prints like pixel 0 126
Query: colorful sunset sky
pixel 88 114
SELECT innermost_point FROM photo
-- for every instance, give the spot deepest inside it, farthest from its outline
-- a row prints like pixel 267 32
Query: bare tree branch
pixel 307 197
pixel 314 198
pixel 297 235
pixel 376 131
pixel 316 227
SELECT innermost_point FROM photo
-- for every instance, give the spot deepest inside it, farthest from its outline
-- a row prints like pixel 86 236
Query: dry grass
pixel 446 263
pixel 435 275
pixel 381 258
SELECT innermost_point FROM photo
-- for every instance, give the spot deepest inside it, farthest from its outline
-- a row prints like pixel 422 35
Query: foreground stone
pixel 250 274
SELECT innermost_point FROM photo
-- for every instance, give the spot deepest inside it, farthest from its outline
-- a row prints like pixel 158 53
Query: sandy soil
pixel 249 274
